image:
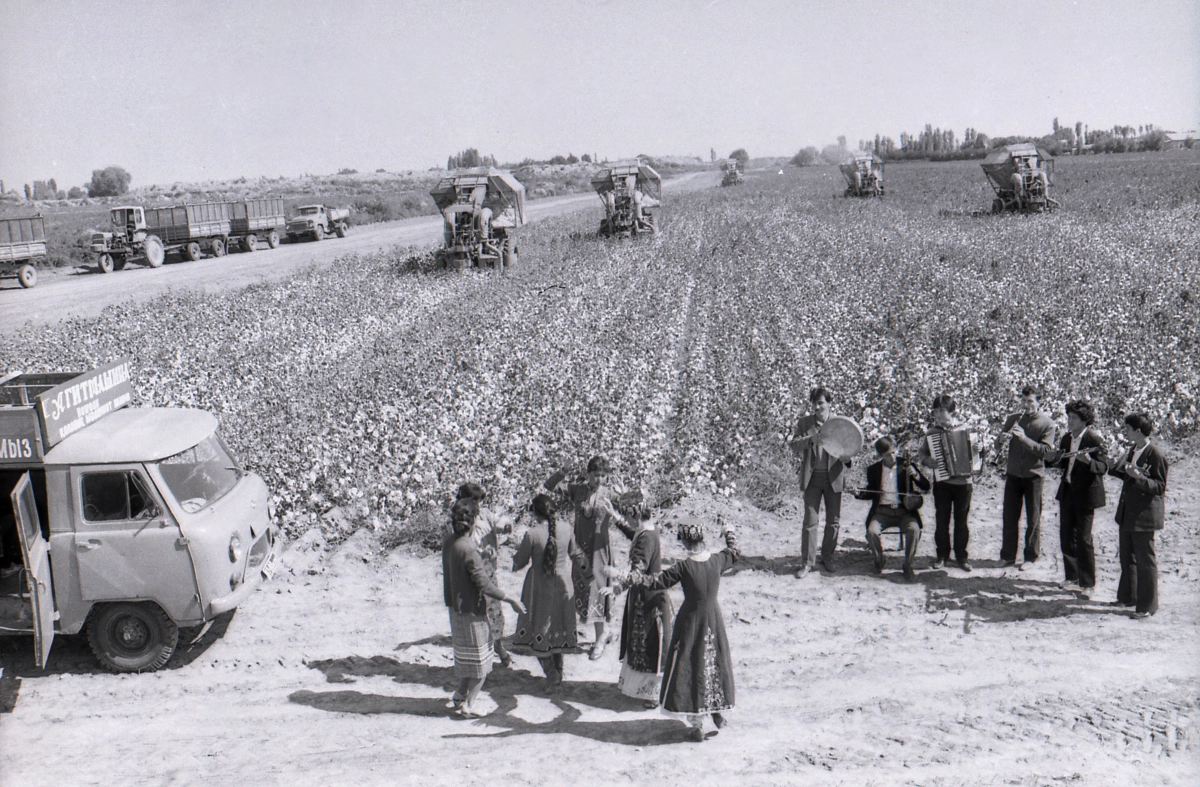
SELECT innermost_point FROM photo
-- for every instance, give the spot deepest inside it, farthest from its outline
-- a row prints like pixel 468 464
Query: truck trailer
pixel 190 229
pixel 22 246
pixel 256 220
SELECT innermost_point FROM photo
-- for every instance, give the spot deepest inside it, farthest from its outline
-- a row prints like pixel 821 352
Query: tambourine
pixel 840 436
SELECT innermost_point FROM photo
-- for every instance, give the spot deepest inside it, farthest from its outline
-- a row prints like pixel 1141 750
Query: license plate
pixel 268 567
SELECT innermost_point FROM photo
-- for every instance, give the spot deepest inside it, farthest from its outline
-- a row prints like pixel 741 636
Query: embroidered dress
pixel 698 678
pixel 646 625
pixel 548 624
pixel 592 524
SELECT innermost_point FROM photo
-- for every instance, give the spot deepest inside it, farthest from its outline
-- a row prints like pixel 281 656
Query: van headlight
pixel 235 548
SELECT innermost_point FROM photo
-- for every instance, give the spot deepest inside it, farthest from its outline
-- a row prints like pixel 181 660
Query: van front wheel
pixel 132 637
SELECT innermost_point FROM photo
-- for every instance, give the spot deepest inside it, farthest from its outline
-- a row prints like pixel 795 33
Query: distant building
pixel 1178 140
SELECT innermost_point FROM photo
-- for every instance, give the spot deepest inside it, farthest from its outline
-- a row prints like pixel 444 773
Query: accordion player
pixel 953 454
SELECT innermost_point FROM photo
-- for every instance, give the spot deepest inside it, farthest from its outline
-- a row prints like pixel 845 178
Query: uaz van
pixel 129 522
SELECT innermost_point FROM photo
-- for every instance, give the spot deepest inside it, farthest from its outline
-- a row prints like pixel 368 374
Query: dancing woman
pixel 466 585
pixel 484 532
pixel 699 672
pixel 594 515
pixel 646 626
pixel 547 627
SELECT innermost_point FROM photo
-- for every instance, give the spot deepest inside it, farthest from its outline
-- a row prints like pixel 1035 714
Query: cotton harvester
pixel 628 191
pixel 733 173
pixel 864 175
pixel 480 209
pixel 1020 176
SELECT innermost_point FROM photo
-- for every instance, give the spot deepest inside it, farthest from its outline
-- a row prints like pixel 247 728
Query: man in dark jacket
pixel 895 490
pixel 1084 460
pixel 1140 514
pixel 821 480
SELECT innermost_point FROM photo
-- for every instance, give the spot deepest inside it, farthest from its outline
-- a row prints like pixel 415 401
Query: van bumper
pixel 254 577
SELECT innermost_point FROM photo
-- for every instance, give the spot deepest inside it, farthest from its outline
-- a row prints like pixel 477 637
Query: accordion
pixel 952 454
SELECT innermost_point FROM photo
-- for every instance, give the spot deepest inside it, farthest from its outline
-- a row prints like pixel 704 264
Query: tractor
pixel 864 175
pixel 480 208
pixel 733 172
pixel 628 191
pixel 129 239
pixel 1020 176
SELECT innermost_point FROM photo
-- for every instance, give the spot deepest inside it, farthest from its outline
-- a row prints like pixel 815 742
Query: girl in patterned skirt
pixel 485 530
pixel 699 672
pixel 465 585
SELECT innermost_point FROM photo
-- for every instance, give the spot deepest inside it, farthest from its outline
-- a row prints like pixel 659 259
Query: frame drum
pixel 840 436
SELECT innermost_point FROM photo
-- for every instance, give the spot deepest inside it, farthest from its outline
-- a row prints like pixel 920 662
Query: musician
pixel 1030 437
pixel 1140 514
pixel 952 496
pixel 821 479
pixel 1083 458
pixel 895 488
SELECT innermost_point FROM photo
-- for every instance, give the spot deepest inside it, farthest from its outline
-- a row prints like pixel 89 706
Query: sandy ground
pixel 338 671
pixel 84 292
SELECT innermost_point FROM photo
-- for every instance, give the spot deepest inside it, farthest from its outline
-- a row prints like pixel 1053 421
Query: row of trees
pixel 108 182
pixel 939 144
pixel 570 158
pixel 469 158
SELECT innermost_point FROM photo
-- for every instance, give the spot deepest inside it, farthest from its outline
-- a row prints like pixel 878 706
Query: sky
pixel 191 91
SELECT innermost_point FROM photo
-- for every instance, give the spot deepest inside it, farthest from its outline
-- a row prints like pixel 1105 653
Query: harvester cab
pixel 480 209
pixel 864 175
pixel 733 172
pixel 1021 177
pixel 628 191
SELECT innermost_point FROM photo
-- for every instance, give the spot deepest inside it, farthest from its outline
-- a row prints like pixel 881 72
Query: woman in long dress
pixel 466 586
pixel 646 625
pixel 547 627
pixel 699 672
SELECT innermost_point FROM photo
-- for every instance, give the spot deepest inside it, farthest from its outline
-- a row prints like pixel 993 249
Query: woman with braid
pixel 546 629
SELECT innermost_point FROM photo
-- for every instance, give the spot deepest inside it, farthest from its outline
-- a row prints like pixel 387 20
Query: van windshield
pixel 200 475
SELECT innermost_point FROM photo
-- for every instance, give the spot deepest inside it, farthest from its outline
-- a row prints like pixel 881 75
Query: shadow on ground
pixel 503 685
pixel 71 655
pixel 1003 598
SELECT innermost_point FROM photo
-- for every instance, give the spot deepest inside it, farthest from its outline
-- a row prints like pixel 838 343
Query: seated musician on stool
pixel 895 490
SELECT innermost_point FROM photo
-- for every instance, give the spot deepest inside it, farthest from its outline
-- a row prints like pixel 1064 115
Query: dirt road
pixel 85 292
pixel 338 670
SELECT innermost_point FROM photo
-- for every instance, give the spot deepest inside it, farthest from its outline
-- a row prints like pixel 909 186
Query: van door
pixel 127 545
pixel 36 554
